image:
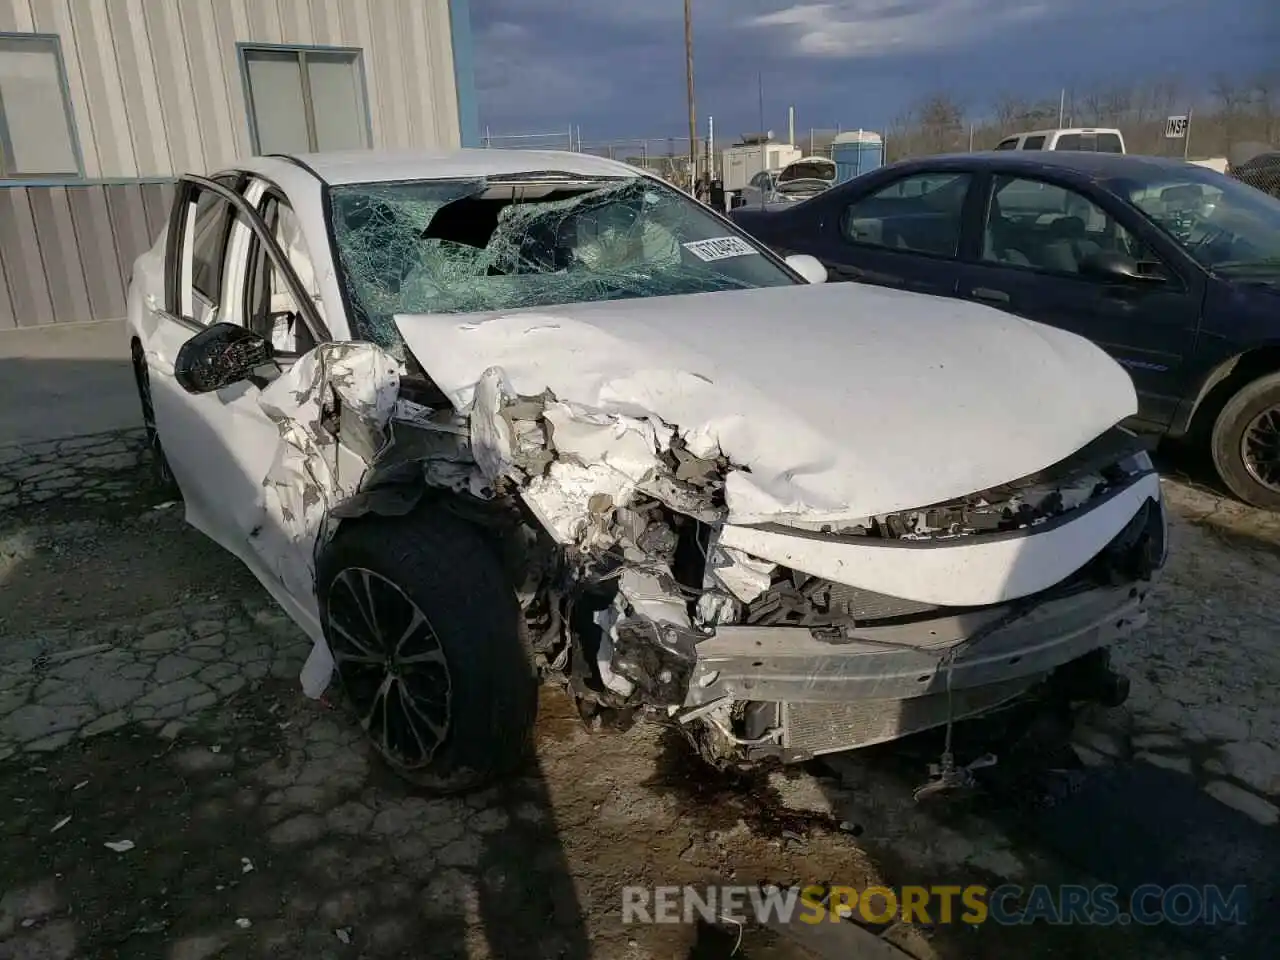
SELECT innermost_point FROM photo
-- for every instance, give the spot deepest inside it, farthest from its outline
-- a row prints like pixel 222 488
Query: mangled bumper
pixel 993 646
pixel 833 689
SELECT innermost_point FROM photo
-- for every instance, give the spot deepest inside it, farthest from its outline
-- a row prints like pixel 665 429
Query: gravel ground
pixel 148 694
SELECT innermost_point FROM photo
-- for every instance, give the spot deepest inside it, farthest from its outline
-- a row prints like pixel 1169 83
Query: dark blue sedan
pixel 1173 269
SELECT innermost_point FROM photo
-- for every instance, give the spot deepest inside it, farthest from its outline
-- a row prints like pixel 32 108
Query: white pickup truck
pixel 1089 139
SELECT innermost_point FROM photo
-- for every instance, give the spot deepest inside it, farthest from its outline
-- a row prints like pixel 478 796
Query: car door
pixel 905 233
pixel 1032 257
pixel 219 445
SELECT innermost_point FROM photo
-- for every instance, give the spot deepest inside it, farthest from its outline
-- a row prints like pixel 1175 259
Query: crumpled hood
pixel 842 401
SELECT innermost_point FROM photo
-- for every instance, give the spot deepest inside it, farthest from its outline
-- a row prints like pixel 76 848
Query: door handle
pixel 987 295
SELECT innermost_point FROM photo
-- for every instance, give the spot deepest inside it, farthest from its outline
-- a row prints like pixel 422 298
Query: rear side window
pixel 920 213
pixel 1034 143
pixel 1110 143
pixel 212 226
pixel 1010 144
pixel 1072 141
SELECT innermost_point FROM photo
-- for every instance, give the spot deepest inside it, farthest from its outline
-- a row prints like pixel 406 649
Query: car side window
pixel 273 309
pixel 207 253
pixel 919 213
pixel 1033 143
pixel 1044 226
pixel 207 238
pixel 1010 144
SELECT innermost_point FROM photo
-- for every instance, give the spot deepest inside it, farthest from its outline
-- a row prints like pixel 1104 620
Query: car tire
pixel 1247 427
pixel 162 480
pixel 429 646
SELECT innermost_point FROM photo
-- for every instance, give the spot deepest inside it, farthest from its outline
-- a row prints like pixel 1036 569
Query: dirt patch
pixel 109 563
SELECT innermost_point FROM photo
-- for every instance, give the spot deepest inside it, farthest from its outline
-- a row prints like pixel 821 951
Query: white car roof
pixel 384 166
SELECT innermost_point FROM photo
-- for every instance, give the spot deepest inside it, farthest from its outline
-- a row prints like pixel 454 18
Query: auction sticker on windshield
pixel 719 248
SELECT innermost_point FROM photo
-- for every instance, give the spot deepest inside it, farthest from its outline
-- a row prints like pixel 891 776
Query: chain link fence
pixel 1208 140
pixel 1261 171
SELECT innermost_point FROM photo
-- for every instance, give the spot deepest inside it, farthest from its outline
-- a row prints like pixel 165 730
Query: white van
pixel 1088 139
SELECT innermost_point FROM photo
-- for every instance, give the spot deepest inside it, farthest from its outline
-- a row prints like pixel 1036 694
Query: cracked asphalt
pixel 166 790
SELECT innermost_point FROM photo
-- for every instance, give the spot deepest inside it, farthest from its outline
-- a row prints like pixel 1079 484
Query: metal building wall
pixel 66 252
pixel 156 90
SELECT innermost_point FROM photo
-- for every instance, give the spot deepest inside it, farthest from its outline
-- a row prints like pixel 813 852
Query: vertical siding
pixel 388 58
pixel 357 27
pixel 413 21
pixel 157 199
pixel 15 16
pixel 54 16
pixel 140 87
pixel 232 22
pixel 20 250
pixel 295 21
pixel 439 38
pixel 173 72
pixel 55 231
pixel 66 252
pixel 156 90
pixel 156 87
pixel 96 48
pixel 326 22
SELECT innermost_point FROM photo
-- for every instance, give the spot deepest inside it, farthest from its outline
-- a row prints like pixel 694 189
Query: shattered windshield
pixel 453 246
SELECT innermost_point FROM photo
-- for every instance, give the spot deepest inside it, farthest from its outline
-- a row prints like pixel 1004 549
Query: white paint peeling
pixel 312 472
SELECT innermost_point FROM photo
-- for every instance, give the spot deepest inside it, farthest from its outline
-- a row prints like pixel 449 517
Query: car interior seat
pixel 997 238
pixel 1068 245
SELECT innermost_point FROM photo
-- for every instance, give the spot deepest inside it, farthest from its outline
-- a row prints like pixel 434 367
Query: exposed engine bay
pixel 644 599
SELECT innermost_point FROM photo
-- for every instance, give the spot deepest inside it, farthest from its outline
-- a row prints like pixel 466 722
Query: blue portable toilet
pixel 856 153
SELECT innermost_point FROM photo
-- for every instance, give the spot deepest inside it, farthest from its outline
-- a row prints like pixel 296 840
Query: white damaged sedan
pixel 480 418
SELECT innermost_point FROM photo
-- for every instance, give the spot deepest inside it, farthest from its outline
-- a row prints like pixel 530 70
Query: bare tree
pixel 941 123
pixel 899 137
pixel 1241 108
pixel 1266 93
pixel 1007 111
pixel 1232 104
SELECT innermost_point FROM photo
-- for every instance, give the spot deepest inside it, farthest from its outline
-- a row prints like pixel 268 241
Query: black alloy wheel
pixel 392 666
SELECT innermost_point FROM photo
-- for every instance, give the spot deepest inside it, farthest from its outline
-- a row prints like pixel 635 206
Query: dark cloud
pixel 616 69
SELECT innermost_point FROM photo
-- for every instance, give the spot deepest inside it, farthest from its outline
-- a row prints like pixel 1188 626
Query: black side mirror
pixel 220 356
pixel 1116 266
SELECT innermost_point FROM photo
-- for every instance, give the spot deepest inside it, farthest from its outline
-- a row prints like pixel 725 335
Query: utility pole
pixel 711 148
pixel 693 116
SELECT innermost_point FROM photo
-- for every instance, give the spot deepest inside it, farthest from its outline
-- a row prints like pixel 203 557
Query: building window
pixel 37 138
pixel 301 100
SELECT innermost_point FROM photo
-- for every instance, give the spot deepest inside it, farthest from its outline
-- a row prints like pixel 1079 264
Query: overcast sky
pixel 616 67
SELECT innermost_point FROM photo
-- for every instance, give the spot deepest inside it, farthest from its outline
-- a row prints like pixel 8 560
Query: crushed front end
pixel 771 641
pixel 647 598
